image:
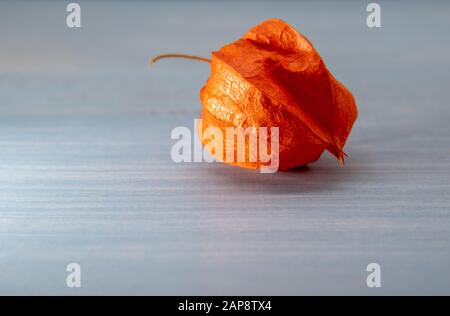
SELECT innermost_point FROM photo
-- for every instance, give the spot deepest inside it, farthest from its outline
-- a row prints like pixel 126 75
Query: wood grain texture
pixel 86 174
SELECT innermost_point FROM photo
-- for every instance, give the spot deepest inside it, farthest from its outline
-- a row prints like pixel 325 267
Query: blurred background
pixel 86 174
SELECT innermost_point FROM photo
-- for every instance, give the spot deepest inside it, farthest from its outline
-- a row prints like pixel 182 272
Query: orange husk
pixel 273 77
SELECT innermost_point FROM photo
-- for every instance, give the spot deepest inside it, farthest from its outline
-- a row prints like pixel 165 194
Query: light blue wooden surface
pixel 86 174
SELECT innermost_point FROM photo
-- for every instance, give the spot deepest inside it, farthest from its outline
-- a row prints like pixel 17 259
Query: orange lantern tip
pixel 338 153
pixel 342 158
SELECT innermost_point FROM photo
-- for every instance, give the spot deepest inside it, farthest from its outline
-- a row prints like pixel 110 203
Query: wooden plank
pixel 86 174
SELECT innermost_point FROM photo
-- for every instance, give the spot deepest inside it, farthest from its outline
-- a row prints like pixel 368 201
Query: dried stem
pixel 158 57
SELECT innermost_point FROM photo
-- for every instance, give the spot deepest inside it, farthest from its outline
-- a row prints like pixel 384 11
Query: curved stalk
pixel 154 59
